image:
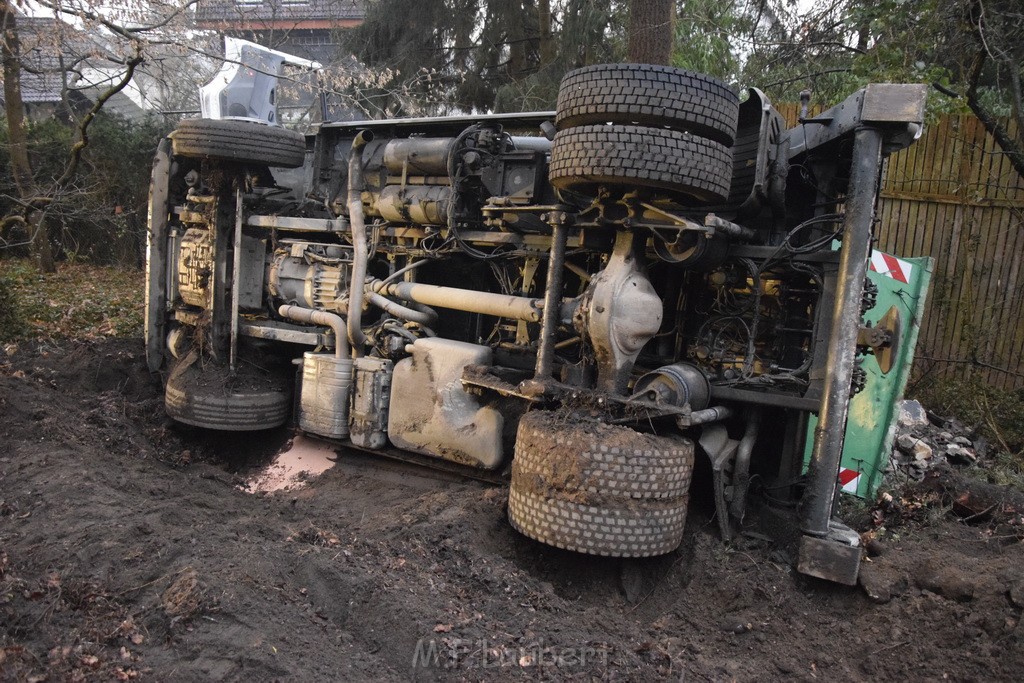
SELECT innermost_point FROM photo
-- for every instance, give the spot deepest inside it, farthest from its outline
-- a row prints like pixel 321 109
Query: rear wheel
pixel 243 142
pixel 598 489
pixel 598 529
pixel 648 95
pixel 635 156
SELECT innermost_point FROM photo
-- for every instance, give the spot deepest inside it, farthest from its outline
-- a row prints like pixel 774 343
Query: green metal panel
pixel 871 426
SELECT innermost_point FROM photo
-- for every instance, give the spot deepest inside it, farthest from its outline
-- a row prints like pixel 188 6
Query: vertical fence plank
pixel 954 196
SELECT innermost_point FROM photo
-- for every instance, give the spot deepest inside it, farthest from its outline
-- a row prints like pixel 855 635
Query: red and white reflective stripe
pixel 849 479
pixel 890 266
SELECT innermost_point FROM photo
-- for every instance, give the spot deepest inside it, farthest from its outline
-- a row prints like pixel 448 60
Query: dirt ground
pixel 128 550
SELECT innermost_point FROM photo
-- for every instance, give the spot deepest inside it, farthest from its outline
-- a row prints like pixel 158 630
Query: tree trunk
pixel 522 41
pixel 547 41
pixel 651 31
pixel 17 132
pixel 42 250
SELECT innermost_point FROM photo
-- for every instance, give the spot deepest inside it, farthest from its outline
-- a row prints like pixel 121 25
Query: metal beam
pixel 823 470
pixel 156 257
pixel 552 296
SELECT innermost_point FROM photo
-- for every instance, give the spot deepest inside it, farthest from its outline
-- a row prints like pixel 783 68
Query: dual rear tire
pixel 599 489
pixel 644 126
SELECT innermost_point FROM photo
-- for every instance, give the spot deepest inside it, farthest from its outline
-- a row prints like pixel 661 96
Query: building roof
pixel 53 51
pixel 56 55
pixel 247 12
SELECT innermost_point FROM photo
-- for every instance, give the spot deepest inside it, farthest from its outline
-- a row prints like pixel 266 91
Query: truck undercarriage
pixel 583 300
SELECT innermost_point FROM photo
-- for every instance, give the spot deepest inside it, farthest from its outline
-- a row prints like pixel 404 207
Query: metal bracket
pixel 883 339
pixel 721 451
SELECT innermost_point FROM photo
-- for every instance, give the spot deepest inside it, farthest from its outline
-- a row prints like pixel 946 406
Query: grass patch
pixel 79 301
pixel 998 412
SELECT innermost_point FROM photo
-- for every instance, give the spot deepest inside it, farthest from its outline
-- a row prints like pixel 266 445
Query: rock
pixel 905 442
pixel 1017 593
pixel 947 582
pixel 912 414
pixel 962 441
pixel 922 452
pixel 955 425
pixel 636 580
pixel 944 437
pixel 735 625
pixel 980 446
pixel 960 455
pixel 874 583
pixel 875 548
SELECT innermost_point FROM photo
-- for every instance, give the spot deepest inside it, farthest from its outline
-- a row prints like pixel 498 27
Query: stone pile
pixel 924 440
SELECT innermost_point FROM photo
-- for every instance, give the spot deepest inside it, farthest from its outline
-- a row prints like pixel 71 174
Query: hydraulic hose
pixel 400 311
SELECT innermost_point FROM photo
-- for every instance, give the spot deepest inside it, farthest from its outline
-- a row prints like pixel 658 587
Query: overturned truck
pixel 583 301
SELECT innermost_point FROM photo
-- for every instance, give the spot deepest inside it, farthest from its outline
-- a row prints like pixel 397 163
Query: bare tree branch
pixel 83 127
pixel 1010 147
pixel 123 31
pixel 803 77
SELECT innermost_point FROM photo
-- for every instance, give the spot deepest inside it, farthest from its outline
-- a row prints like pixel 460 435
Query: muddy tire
pixel 598 530
pixel 599 489
pixel 606 460
pixel 203 399
pixel 241 142
pixel 648 95
pixel 585 157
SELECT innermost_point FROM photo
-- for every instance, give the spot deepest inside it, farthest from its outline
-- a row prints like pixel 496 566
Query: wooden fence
pixel 954 196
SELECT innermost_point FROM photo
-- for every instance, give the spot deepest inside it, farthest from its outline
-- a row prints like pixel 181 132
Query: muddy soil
pixel 129 550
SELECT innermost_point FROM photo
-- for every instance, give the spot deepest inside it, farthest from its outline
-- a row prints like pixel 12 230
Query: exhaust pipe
pixel 360 255
pixel 308 315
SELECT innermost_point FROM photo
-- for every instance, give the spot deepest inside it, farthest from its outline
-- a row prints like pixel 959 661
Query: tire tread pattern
pixel 610 532
pixel 648 95
pixel 585 490
pixel 587 156
pixel 243 142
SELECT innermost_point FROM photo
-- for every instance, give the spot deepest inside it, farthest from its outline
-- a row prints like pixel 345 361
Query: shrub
pixel 11 323
pixel 102 217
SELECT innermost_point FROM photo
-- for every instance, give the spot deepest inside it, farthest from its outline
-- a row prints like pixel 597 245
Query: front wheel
pixel 205 394
pixel 242 142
